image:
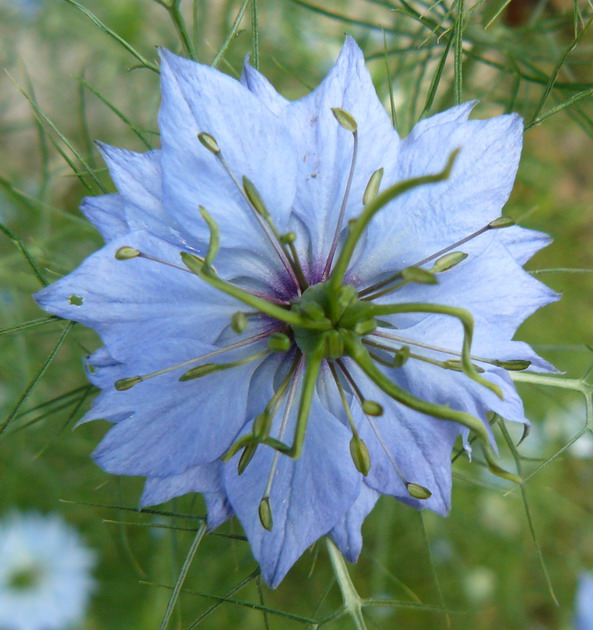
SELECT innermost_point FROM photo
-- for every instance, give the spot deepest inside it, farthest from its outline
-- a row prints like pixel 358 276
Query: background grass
pixel 72 80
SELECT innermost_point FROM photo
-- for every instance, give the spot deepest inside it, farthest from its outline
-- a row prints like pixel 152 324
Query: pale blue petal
pixel 489 284
pixel 324 148
pixel 164 426
pixel 419 445
pixel 347 533
pixel 253 141
pixel 522 243
pixel 137 301
pixel 107 214
pixel 433 216
pixel 457 114
pixel 258 85
pixel 219 509
pixel 137 177
pixel 309 496
pixel 204 478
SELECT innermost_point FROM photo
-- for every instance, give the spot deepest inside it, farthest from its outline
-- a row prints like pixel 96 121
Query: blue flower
pixel 584 603
pixel 289 295
pixel 45 581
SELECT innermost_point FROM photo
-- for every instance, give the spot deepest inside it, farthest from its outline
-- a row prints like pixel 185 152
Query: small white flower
pixel 45 580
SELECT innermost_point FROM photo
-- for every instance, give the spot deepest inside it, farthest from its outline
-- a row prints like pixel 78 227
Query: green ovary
pixel 340 311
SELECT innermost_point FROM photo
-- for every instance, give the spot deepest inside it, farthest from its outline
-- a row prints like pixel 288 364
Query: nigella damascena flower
pixel 45 580
pixel 300 310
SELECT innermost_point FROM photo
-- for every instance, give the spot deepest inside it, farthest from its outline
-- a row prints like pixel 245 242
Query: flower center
pixel 339 310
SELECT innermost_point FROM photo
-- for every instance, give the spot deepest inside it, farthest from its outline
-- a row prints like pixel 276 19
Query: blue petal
pixel 434 216
pixel 346 534
pixel 489 284
pixel 164 426
pixel 137 301
pixel 107 214
pixel 137 177
pixel 420 446
pixel 253 141
pixel 258 85
pixel 522 243
pixel 219 509
pixel 204 478
pixel 325 148
pixel 309 495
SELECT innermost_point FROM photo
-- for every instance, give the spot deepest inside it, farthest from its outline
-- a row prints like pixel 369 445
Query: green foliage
pixel 506 554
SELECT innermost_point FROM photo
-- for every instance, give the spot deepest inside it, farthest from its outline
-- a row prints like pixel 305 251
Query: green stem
pixel 353 603
pixel 179 23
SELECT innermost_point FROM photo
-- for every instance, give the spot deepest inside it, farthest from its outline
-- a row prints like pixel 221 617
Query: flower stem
pixel 352 601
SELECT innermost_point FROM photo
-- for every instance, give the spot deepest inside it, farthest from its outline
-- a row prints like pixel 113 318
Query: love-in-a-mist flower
pixel 300 310
pixel 45 580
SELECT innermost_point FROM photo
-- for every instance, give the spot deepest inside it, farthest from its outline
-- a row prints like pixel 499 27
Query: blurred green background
pixel 70 81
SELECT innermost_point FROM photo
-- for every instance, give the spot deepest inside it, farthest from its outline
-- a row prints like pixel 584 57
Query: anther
pixel 401 356
pixel 501 222
pixel 372 408
pixel 127 383
pixel 279 342
pixel 418 275
pixel 417 491
pixel 345 119
pixel 448 261
pixel 372 189
pixel 457 366
pixel 239 322
pixel 360 455
pixel 287 238
pixel 348 122
pixel 265 514
pixel 246 457
pixel 209 142
pixel 255 198
pixel 126 253
pixel 514 365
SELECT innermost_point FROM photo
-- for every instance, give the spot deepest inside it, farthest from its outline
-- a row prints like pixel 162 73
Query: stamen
pixel 358 225
pixel 126 383
pixel 358 449
pixel 262 423
pixel 209 368
pixel 509 364
pixel 356 350
pixel 265 222
pixel 372 189
pixel 279 342
pixel 497 224
pixel 347 121
pixel 461 314
pixel 450 364
pixel 127 253
pixel 265 510
pixel 203 269
pixel 239 322
pixel 411 487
